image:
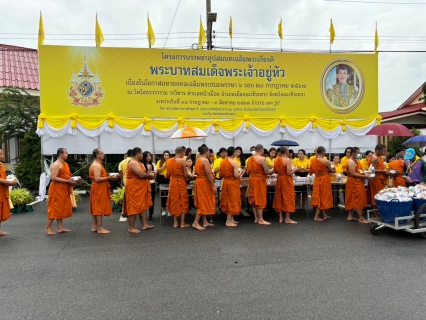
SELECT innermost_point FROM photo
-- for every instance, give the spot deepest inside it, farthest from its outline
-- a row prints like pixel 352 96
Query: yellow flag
pixel 99 37
pixel 230 27
pixel 150 34
pixel 202 38
pixel 332 33
pixel 40 32
pixel 280 29
pixel 376 41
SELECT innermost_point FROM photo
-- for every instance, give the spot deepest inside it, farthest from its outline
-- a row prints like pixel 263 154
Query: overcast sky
pixel 305 26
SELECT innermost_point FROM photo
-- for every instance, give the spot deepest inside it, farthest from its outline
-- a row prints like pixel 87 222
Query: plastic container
pixel 394 209
pixel 417 203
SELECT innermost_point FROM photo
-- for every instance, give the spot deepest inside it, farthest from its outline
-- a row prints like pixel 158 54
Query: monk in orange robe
pixel 355 198
pixel 258 170
pixel 205 190
pixel 59 203
pixel 4 194
pixel 138 192
pixel 322 198
pixel 100 204
pixel 379 182
pixel 230 197
pixel 398 165
pixel 177 200
pixel 284 188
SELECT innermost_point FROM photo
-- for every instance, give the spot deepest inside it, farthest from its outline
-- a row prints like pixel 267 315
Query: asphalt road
pixel 330 270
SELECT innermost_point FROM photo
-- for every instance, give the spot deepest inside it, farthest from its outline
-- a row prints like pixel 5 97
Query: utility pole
pixel 210 18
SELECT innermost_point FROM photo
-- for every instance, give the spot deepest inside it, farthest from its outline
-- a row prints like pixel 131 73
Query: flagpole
pixel 231 27
pixel 96 28
pixel 281 40
pixel 149 40
pixel 375 44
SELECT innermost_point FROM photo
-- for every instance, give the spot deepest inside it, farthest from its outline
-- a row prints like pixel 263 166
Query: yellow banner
pixel 155 83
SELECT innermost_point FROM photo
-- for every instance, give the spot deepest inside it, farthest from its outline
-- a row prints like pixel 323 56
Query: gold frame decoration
pixel 356 85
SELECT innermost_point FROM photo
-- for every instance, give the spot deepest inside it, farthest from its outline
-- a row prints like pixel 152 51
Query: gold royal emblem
pixel 85 90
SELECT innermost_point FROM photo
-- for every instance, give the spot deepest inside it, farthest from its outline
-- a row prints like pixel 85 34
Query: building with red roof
pixel 412 113
pixel 18 68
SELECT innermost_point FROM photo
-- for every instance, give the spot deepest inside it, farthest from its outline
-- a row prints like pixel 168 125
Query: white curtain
pixel 49 131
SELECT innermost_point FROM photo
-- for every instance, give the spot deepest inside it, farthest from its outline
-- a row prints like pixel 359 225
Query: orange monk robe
pixel 138 192
pixel 284 189
pixel 230 197
pixel 177 200
pixel 204 198
pixel 59 203
pixel 356 198
pixel 398 165
pixel 257 185
pixel 321 194
pixel 4 196
pixel 377 184
pixel 100 204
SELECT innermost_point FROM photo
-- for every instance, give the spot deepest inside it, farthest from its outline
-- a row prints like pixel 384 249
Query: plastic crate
pixel 394 209
pixel 417 203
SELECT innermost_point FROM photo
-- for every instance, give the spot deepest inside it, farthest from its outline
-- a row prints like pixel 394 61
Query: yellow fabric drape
pixel 267 124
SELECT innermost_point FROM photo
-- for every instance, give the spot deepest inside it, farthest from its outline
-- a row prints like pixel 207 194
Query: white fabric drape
pixel 44 182
pixel 49 131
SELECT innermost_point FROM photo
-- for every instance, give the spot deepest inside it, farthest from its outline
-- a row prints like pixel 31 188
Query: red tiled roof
pixel 19 67
pixel 411 98
pixel 403 111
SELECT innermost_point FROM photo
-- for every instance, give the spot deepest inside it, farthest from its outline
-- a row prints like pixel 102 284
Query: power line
pixel 236 35
pixel 91 39
pixel 91 34
pixel 172 23
pixel 315 50
pixel 374 2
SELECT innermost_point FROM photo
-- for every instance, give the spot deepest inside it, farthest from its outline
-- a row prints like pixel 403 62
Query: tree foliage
pixel 396 143
pixel 29 168
pixel 18 113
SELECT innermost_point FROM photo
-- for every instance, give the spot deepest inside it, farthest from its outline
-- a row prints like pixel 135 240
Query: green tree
pixel 18 113
pixel 396 143
pixel 28 170
pixel 18 119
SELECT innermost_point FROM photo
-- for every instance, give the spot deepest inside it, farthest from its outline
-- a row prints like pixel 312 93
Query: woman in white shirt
pixel 150 167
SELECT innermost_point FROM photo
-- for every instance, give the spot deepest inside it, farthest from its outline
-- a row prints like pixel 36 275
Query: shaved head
pixel 258 148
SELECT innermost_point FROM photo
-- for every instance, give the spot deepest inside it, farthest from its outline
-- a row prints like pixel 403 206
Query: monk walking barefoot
pixel 138 192
pixel 284 188
pixel 230 197
pixel 60 191
pixel 322 198
pixel 258 170
pixel 356 198
pixel 205 190
pixel 4 194
pixel 177 200
pixel 100 195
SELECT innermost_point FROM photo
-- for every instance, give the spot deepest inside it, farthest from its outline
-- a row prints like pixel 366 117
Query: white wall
pixel 75 144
